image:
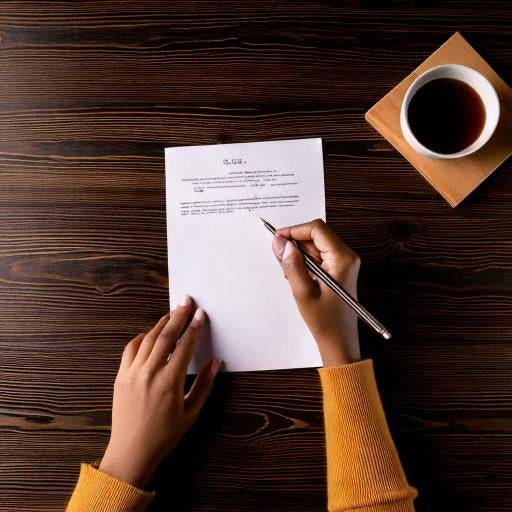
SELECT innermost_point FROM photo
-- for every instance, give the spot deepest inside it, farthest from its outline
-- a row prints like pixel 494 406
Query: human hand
pixel 332 323
pixel 150 413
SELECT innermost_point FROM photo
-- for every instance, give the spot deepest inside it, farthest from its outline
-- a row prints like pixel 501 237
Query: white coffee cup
pixel 474 79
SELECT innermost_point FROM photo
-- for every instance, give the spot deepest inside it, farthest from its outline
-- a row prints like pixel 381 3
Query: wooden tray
pixel 453 179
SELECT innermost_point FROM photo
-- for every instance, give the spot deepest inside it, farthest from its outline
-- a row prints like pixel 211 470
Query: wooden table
pixel 91 93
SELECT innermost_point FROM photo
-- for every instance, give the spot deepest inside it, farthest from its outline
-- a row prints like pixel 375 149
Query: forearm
pixel 364 470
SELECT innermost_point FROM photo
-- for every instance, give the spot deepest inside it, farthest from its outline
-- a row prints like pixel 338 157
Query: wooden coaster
pixel 453 179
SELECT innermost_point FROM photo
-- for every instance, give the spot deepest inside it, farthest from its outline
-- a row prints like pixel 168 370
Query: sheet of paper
pixel 220 253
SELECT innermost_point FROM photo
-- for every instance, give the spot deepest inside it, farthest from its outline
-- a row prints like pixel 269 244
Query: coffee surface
pixel 446 115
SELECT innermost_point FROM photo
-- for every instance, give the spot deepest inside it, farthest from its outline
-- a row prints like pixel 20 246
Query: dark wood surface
pixel 91 93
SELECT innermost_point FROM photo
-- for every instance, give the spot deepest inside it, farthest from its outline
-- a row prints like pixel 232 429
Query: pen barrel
pixel 362 312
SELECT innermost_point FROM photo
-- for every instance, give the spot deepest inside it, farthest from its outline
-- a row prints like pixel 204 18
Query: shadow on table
pixel 175 480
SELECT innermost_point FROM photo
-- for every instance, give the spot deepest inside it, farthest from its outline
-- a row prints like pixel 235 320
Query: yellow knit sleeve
pixel 96 491
pixel 364 473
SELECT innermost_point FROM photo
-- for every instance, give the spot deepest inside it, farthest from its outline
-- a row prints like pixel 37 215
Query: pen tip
pixel 271 228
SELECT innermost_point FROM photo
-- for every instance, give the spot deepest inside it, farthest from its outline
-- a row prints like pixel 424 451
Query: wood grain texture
pixel 90 94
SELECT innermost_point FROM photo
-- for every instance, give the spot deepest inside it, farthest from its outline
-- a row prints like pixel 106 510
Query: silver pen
pixel 321 274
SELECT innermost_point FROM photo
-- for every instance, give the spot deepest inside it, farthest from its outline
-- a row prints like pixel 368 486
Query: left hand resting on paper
pixel 150 413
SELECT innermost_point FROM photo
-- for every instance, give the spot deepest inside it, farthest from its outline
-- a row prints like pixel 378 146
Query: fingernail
pixel 288 249
pixel 186 301
pixel 198 317
pixel 279 245
pixel 214 368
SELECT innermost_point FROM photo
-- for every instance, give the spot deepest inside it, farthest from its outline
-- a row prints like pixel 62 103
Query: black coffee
pixel 446 115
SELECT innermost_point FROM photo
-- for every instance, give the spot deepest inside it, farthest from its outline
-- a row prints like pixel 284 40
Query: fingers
pixel 149 340
pixel 292 262
pixel 324 238
pixel 166 341
pixel 182 355
pixel 336 256
pixel 130 351
pixel 200 390
pixel 279 242
pixel 278 245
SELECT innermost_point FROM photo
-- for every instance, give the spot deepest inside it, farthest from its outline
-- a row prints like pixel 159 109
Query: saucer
pixel 453 179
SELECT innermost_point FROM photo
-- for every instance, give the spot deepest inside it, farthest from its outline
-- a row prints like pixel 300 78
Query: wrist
pixel 339 352
pixel 127 467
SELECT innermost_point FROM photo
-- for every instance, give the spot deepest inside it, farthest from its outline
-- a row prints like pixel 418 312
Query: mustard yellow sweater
pixel 364 473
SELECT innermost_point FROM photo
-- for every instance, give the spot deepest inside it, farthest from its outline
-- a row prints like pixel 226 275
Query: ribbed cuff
pixel 337 377
pixel 96 490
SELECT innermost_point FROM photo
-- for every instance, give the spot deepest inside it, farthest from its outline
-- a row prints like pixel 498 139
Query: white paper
pixel 220 253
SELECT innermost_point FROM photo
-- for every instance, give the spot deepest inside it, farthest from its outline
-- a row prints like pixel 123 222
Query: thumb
pixel 294 269
pixel 203 383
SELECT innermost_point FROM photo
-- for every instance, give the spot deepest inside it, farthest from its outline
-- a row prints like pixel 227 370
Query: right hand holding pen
pixel 332 323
